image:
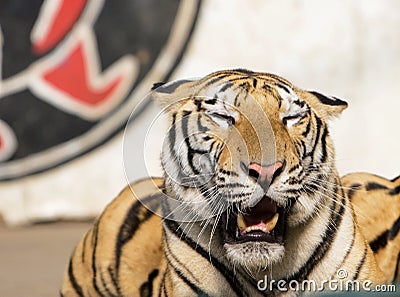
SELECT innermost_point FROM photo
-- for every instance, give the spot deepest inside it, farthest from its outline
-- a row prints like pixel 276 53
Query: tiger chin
pixel 254 238
pixel 250 189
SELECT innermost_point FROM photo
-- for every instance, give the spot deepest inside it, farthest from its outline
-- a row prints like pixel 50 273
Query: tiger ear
pixel 326 106
pixel 170 95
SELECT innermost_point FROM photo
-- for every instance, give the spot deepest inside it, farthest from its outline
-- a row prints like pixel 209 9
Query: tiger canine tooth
pixel 240 222
pixel 272 223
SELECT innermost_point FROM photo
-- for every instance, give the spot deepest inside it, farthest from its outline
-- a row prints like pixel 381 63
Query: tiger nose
pixel 264 175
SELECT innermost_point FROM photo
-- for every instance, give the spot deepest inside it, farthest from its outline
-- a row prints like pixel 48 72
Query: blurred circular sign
pixel 73 70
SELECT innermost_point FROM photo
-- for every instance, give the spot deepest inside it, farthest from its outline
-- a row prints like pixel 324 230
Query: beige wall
pixel 350 49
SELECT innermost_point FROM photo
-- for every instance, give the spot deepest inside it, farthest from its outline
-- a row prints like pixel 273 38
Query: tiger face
pixel 246 153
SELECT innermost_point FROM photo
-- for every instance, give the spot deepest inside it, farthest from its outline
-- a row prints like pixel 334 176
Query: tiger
pixel 250 193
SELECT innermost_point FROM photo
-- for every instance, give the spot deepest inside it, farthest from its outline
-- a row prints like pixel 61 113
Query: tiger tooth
pixel 240 222
pixel 253 228
pixel 272 223
pixel 266 227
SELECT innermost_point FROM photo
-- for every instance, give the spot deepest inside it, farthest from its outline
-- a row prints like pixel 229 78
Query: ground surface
pixel 32 259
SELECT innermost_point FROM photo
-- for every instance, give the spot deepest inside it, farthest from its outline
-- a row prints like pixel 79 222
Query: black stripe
pixel 146 289
pixel 199 125
pixel 211 148
pixel 233 185
pixel 113 278
pixel 318 128
pixel 360 265
pixel 299 103
pixel 168 249
pixel 396 272
pixel 135 216
pixel 245 86
pixel 326 241
pixel 172 140
pixel 293 180
pixel 227 172
pixel 395 179
pixel 305 133
pixel 351 246
pixel 190 152
pixel 267 87
pixel 395 191
pixel 197 102
pixel 195 289
pixel 74 283
pixel 229 276
pixel 301 174
pixel 375 186
pixel 312 188
pixel 279 102
pixel 172 136
pixel 352 189
pixel 293 191
pixel 244 71
pixel 323 145
pixel 235 102
pixel 165 290
pixel 211 101
pixel 294 168
pixel 304 147
pixel 277 78
pixel 326 100
pixel 94 269
pixel 161 288
pixel 381 240
pixel 170 87
pixel 285 119
pixel 214 79
pixel 240 195
pixel 284 88
pixel 157 84
pixel 105 286
pixel 239 78
pixel 225 87
pixel 219 151
pixel 395 229
pixel 84 247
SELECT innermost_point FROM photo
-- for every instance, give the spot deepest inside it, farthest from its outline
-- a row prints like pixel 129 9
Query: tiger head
pixel 247 152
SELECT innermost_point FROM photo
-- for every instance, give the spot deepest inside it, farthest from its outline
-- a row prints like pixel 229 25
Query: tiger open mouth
pixel 264 222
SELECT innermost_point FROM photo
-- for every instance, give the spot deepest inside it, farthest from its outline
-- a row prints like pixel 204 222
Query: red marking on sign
pixel 72 78
pixel 60 24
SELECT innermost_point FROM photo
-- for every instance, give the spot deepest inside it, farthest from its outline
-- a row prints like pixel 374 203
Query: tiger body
pixel 259 196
